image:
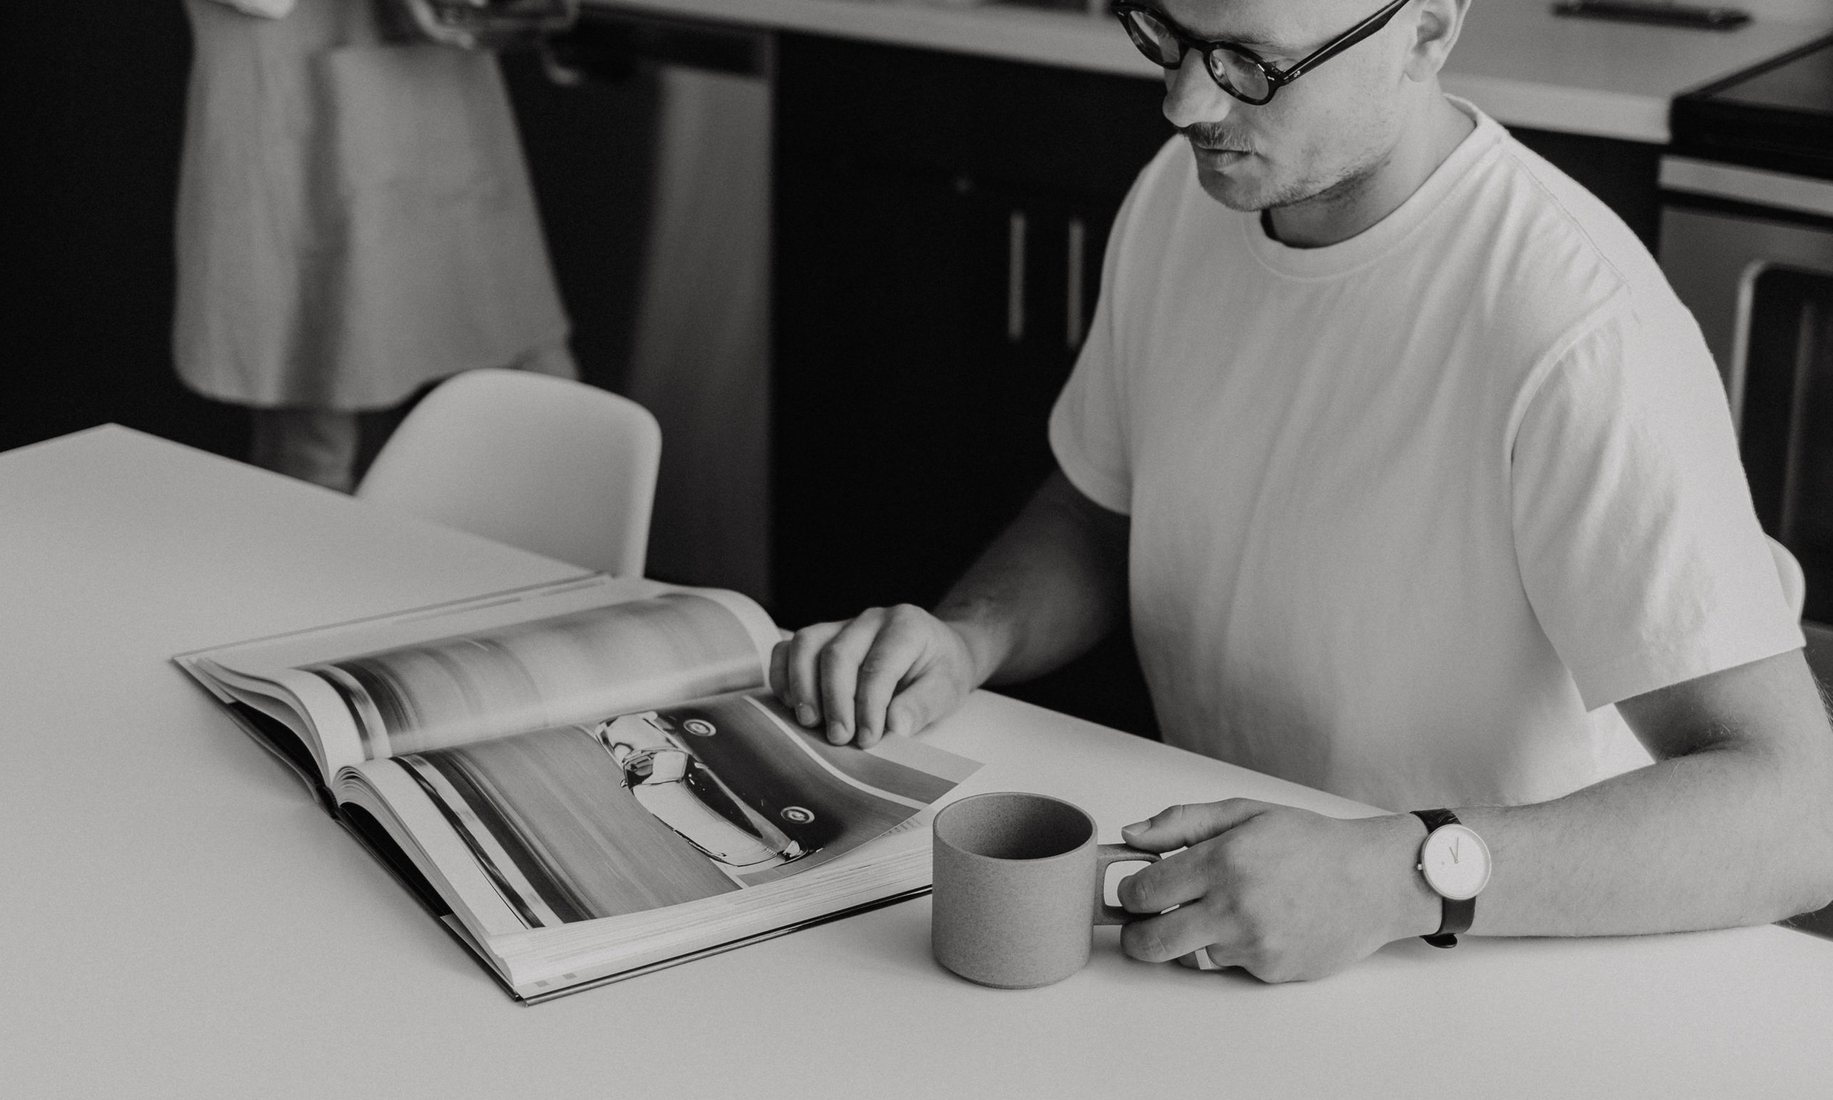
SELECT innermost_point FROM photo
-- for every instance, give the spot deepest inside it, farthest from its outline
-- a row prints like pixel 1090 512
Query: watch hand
pixel 1454 845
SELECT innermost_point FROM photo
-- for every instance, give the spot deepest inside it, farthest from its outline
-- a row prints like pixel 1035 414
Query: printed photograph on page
pixel 671 805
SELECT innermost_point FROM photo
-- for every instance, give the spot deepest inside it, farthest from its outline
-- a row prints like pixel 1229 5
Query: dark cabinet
pixel 939 227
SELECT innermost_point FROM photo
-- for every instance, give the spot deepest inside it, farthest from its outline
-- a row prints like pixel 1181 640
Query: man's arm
pixel 1733 824
pixel 1044 592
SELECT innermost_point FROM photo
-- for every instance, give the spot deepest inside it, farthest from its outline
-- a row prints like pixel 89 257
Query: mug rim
pixel 1085 842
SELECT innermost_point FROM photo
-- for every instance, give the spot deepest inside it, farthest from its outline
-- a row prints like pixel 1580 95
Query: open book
pixel 586 780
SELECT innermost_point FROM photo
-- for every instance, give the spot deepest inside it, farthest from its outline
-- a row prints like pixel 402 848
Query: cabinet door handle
pixel 1015 277
pixel 1806 360
pixel 1078 234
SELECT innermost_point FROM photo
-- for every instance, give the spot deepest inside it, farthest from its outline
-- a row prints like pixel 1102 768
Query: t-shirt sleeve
pixel 1635 536
pixel 1088 423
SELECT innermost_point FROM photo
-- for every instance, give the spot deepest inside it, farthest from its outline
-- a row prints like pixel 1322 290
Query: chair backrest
pixel 558 467
pixel 1794 581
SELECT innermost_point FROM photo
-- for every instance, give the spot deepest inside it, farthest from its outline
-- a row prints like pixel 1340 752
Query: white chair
pixel 558 467
pixel 1794 581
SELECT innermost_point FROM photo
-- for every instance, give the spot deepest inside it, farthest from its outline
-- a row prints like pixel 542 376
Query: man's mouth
pixel 1218 156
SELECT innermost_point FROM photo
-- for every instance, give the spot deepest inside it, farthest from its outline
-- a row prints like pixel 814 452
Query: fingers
pixel 779 675
pixel 1181 826
pixel 837 668
pixel 1177 933
pixel 1175 880
pixel 797 682
pixel 893 654
pixel 887 670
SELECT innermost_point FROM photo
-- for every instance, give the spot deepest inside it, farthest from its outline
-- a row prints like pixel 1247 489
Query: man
pixel 1410 465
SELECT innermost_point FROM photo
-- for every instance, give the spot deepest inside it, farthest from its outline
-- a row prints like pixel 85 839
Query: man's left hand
pixel 1285 894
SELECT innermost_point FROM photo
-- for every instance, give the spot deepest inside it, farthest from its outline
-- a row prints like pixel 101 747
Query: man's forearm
pixel 1732 830
pixel 1710 840
pixel 1047 589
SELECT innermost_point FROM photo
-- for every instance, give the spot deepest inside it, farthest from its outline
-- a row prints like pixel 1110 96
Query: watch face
pixel 1455 862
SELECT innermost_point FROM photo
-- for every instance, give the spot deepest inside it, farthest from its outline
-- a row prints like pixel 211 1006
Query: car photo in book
pixel 587 779
pixel 662 807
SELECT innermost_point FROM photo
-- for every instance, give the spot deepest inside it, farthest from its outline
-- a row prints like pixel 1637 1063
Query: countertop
pixel 1516 60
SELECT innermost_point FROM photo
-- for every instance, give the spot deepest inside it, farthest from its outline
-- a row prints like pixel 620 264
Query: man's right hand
pixel 1046 590
pixel 888 670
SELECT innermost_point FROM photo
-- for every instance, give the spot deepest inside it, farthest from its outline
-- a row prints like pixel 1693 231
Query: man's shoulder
pixel 1575 276
pixel 1557 245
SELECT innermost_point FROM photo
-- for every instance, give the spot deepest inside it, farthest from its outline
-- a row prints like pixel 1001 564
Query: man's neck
pixel 1344 211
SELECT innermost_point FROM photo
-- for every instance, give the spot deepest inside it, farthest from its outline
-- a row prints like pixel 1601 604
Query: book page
pixel 656 808
pixel 511 663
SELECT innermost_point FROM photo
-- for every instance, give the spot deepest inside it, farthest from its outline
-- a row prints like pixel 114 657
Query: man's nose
pixel 1192 95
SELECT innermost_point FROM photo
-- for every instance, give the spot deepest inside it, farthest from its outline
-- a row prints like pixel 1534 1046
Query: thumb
pixel 920 702
pixel 1181 826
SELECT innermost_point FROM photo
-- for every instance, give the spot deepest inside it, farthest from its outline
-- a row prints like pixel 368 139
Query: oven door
pixel 1712 255
pixel 1758 282
pixel 1783 353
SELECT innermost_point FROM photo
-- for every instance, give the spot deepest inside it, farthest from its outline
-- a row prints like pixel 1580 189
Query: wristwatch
pixel 1455 861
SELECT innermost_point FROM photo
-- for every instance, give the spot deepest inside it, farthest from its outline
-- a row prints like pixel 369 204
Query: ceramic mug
pixel 1018 888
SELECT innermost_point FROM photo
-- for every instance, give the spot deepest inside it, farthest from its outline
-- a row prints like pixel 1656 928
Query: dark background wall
pixel 94 98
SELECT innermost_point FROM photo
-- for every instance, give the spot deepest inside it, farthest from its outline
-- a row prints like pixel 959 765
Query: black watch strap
pixel 1456 915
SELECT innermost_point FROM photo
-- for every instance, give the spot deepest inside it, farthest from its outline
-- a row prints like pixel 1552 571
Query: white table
pixel 182 920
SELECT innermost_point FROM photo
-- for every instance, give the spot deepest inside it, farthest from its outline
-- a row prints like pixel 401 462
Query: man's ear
pixel 1436 27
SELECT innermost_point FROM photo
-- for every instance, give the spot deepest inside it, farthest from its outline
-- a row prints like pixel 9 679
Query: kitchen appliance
pixel 1747 242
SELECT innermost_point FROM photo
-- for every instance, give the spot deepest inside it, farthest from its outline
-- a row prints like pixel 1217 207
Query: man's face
pixel 1319 135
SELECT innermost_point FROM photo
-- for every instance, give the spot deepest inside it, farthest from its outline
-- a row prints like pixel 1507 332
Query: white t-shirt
pixel 1408 507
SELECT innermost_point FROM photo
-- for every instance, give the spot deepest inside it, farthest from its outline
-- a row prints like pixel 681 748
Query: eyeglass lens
pixel 1162 45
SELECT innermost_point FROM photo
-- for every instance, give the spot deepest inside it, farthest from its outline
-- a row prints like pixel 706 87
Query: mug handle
pixel 1106 855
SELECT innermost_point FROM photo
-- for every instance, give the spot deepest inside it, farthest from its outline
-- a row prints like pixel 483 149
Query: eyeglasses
pixel 1240 71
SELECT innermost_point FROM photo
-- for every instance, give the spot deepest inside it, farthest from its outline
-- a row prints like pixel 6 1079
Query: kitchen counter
pixel 1516 60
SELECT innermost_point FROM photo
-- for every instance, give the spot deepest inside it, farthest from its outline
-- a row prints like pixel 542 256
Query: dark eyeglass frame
pixel 1276 77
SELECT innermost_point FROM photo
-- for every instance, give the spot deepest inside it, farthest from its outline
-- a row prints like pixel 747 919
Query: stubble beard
pixel 1240 195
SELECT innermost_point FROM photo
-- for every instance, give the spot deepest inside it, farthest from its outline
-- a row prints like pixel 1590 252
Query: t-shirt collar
pixel 1370 244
